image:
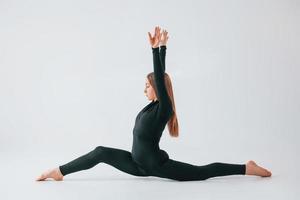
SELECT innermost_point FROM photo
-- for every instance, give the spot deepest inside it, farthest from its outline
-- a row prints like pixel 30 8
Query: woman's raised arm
pixel 162 94
pixel 163 47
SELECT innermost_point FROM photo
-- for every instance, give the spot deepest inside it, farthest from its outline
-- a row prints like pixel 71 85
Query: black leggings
pixel 171 169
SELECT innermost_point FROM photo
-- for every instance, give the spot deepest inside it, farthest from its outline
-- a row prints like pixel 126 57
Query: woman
pixel 146 158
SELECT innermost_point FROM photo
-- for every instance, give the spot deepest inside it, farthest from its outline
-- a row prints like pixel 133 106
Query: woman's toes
pixel 40 178
pixel 267 173
pixel 263 172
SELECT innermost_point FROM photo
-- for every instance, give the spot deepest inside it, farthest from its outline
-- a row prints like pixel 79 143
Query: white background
pixel 72 75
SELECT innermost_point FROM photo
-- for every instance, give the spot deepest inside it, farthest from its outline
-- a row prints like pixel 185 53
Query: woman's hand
pixel 164 38
pixel 155 40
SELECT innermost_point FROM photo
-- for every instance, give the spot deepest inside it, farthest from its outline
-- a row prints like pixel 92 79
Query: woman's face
pixel 149 91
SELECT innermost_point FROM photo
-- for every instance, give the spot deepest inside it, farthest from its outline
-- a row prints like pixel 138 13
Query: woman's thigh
pixel 120 159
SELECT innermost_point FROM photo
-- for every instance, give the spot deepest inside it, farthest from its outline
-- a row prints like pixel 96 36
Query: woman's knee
pixel 99 148
pixel 99 152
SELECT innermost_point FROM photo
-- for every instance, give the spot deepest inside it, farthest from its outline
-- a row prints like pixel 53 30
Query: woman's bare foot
pixel 253 169
pixel 51 173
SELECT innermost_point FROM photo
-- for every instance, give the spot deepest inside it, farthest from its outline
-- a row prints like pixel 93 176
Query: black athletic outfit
pixel 146 158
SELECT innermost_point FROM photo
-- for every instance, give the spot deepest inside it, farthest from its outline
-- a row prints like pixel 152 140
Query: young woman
pixel 146 158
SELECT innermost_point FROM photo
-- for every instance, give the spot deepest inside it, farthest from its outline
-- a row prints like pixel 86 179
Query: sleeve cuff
pixel 155 49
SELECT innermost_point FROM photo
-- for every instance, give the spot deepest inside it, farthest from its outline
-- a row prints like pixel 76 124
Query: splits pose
pixel 146 158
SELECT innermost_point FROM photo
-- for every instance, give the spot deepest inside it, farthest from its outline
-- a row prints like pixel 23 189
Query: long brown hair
pixel 173 122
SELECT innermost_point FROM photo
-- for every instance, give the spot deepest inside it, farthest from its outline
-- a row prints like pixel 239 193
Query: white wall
pixel 72 74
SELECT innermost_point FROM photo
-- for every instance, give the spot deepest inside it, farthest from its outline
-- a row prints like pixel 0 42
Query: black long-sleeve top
pixel 152 119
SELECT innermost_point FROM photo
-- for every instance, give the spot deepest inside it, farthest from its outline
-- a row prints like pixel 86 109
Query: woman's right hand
pixel 155 40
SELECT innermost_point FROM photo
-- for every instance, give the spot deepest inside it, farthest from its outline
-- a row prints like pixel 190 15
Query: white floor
pixel 104 182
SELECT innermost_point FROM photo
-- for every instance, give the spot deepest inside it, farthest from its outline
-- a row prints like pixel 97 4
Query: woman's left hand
pixel 164 38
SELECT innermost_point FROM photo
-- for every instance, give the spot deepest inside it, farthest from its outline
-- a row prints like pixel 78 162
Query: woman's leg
pixel 117 158
pixel 181 171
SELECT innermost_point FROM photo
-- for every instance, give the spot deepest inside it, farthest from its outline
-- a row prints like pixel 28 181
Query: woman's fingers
pixel 166 36
pixel 165 33
pixel 157 31
pixel 150 36
pixel 159 37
